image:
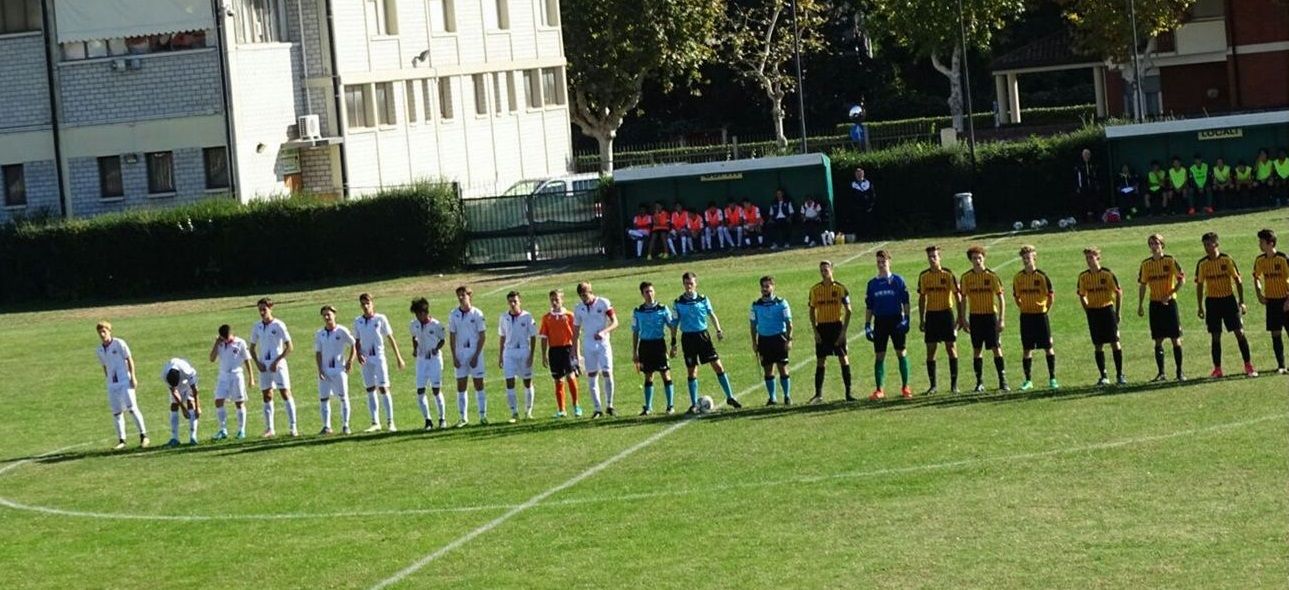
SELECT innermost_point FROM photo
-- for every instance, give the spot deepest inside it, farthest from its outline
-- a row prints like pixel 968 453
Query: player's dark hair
pixel 514 294
pixel 1209 238
pixel 583 288
pixel 645 285
pixel 464 289
pixel 1026 249
pixel 364 298
pixel 420 304
pixel 1177 159
pixel 172 377
pixel 1268 236
pixel 265 301
pixel 224 330
pixel 882 254
pixel 1197 156
pixel 554 292
pixel 767 279
pixel 1092 250
pixel 1154 162
pixel 325 309
pixel 932 248
pixel 974 250
pixel 688 275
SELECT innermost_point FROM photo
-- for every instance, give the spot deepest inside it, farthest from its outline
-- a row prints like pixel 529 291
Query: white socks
pixel 119 421
pixel 441 407
pixel 461 405
pixel 241 419
pixel 138 419
pixel 268 416
pixel 595 391
pixel 221 413
pixel 344 411
pixel 387 401
pixel 510 399
pixel 608 388
pixel 192 426
pixel 174 424
pixel 324 408
pixel 424 403
pixel 290 413
pixel 371 407
pixel 481 400
pixel 528 398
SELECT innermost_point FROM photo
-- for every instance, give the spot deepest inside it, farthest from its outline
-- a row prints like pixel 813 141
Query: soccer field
pixel 1172 485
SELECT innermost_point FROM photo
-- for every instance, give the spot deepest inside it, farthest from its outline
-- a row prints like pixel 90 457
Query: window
pixel 216 163
pixel 15 186
pixel 356 106
pixel 550 12
pixel 409 97
pixel 384 14
pixel 109 177
pixel 553 86
pixel 532 89
pixel 133 45
pixel 259 21
pixel 480 94
pixel 19 16
pixel 445 99
pixel 496 14
pixel 443 18
pixel 161 173
pixel 385 109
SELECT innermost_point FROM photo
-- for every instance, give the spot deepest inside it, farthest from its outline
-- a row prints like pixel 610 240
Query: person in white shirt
pixel 234 376
pixel 812 222
pixel 371 330
pixel 466 331
pixel 518 334
pixel 181 378
pixel 428 338
pixel 118 369
pixel 596 320
pixel 270 345
pixel 333 352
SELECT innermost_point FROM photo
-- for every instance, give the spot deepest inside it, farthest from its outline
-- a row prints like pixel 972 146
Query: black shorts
pixel 940 326
pixel 1222 311
pixel 772 349
pixel 1035 331
pixel 887 328
pixel 1103 325
pixel 1165 320
pixel 1277 317
pixel 697 348
pixel 984 330
pixel 827 345
pixel 560 361
pixel 653 356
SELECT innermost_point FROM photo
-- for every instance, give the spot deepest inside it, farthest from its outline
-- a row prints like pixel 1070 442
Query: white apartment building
pixel 122 104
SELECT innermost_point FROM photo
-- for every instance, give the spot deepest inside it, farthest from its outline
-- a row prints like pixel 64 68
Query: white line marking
pixel 552 271
pixel 1001 238
pixel 866 251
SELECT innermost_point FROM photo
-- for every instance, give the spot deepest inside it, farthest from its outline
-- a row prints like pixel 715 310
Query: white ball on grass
pixel 705 404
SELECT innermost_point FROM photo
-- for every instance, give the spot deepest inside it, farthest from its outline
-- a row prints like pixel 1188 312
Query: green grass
pixel 1179 486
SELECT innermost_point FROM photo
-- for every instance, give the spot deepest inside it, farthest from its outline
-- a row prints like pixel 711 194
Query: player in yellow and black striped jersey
pixel 1032 291
pixel 1217 281
pixel 981 315
pixel 1271 282
pixel 1162 276
pixel 1099 292
pixel 830 318
pixel 938 295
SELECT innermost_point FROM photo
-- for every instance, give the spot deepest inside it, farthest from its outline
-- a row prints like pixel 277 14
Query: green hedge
pixel 220 244
pixel 1015 180
pixel 931 125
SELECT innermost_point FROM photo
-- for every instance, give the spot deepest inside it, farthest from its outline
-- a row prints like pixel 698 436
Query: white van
pixel 569 184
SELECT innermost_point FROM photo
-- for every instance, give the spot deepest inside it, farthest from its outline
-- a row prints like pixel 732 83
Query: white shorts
pixel 514 363
pixel 597 356
pixel 231 386
pixel 279 379
pixel 185 393
pixel 465 371
pixel 333 385
pixel 376 372
pixel 120 397
pixel 429 371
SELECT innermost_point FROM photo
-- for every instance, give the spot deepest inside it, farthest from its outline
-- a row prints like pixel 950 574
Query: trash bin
pixel 964 212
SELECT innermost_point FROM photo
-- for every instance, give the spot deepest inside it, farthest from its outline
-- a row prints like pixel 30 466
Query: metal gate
pixel 550 225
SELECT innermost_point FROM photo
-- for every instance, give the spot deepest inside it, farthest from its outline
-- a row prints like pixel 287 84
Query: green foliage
pixel 1083 113
pixel 221 244
pixel 1104 27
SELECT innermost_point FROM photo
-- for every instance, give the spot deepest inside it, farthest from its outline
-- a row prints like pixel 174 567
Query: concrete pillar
pixel 1013 96
pixel 1098 85
pixel 1000 95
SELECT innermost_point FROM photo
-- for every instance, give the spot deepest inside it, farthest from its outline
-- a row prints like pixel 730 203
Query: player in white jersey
pixel 270 345
pixel 181 378
pixel 428 338
pixel 518 334
pixel 118 369
pixel 596 320
pixel 333 348
pixel 371 330
pixel 466 333
pixel 235 376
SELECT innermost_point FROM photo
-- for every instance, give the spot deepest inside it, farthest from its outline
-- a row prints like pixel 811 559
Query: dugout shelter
pixel 1233 137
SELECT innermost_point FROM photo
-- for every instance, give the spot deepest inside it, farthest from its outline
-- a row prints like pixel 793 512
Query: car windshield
pixel 523 187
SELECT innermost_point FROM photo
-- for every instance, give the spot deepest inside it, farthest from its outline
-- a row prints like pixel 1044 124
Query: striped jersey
pixel 1033 290
pixel 981 289
pixel 1099 287
pixel 829 301
pixel 1160 277
pixel 1218 275
pixel 1273 272
pixel 940 287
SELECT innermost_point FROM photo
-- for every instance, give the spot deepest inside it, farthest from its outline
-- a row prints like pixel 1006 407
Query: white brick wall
pixel 24 82
pixel 166 85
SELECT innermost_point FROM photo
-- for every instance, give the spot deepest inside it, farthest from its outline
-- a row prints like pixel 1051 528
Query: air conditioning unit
pixel 309 127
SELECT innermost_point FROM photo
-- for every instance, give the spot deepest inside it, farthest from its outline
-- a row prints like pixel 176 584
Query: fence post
pixel 532 229
pixel 735 142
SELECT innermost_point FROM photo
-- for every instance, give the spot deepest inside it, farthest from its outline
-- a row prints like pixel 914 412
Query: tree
pixel 614 46
pixel 760 40
pixel 932 29
pixel 1103 27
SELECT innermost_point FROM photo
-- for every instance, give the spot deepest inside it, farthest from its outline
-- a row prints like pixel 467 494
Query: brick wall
pixel 190 184
pixel 1185 88
pixel 166 85
pixel 1259 21
pixel 24 82
pixel 1264 79
pixel 42 192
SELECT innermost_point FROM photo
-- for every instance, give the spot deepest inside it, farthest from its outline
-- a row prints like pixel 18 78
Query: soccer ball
pixel 1063 223
pixel 1043 222
pixel 1035 224
pixel 1018 226
pixel 705 404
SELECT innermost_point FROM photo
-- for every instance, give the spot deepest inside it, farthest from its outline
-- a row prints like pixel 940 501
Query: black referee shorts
pixel 772 349
pixel 1035 331
pixel 1103 325
pixel 1277 317
pixel 697 348
pixel 1165 320
pixel 940 326
pixel 887 328
pixel 984 330
pixel 827 345
pixel 1222 311
pixel 560 360
pixel 653 356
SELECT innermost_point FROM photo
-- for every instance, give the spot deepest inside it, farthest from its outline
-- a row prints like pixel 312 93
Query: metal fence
pixel 543 226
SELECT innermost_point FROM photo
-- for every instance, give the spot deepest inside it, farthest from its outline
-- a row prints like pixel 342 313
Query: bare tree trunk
pixel 602 122
pixel 777 114
pixel 954 73
pixel 606 150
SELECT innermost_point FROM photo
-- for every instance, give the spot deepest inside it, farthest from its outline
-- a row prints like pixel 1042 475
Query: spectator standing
pixel 863 203
pixel 782 214
pixel 1087 187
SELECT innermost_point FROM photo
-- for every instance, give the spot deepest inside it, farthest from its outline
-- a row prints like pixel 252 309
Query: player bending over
pixel 181 378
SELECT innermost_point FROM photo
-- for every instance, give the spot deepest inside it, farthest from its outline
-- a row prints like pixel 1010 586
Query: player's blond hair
pixel 1156 237
pixel 1027 249
pixel 103 325
pixel 1093 250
